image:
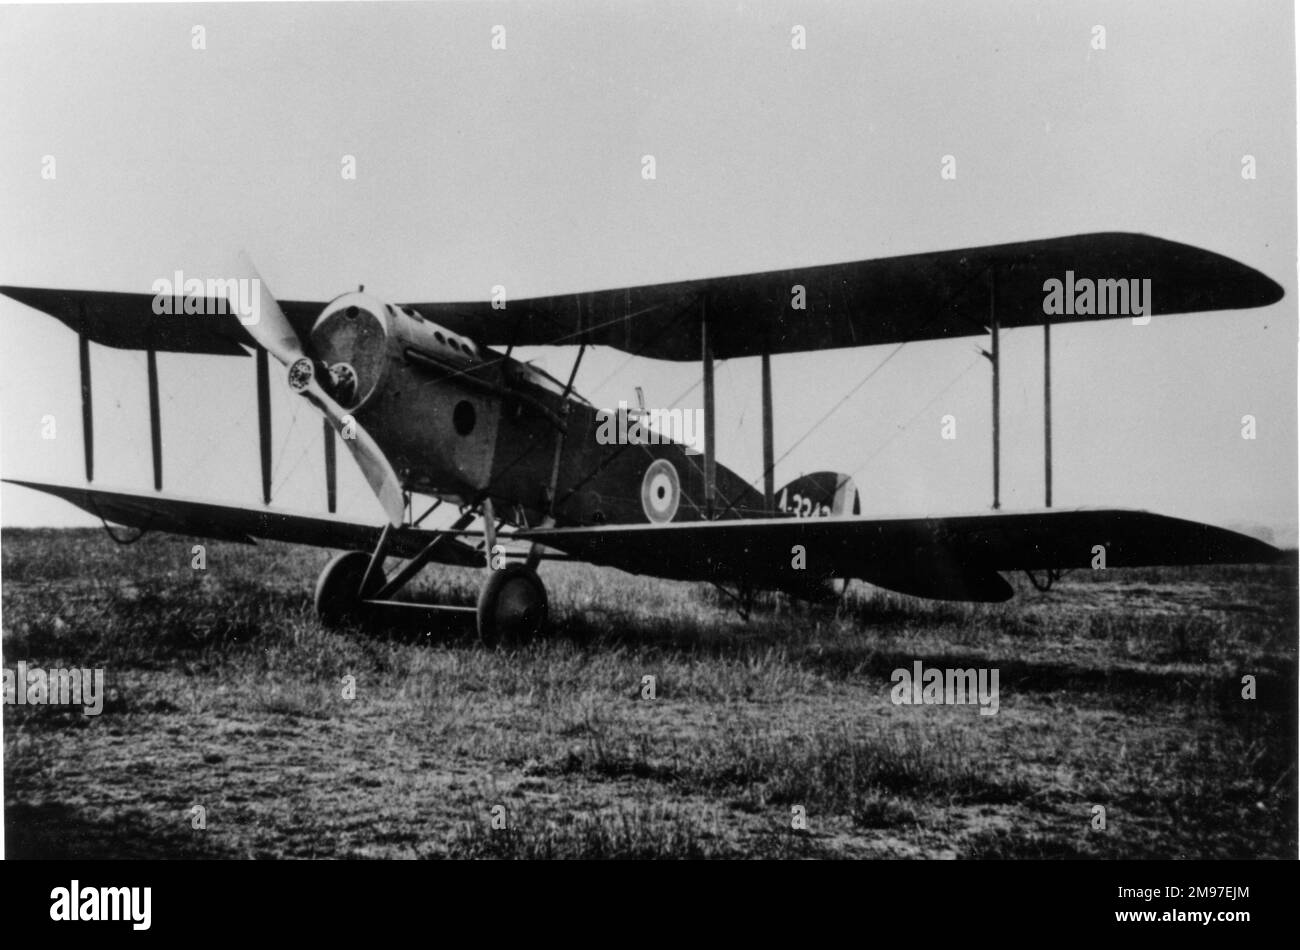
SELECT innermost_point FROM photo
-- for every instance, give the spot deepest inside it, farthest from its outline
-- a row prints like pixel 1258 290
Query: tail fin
pixel 819 495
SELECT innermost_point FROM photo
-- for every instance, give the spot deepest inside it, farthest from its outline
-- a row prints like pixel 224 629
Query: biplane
pixel 430 401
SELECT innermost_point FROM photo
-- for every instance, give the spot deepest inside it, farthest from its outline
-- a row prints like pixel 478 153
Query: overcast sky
pixel 522 167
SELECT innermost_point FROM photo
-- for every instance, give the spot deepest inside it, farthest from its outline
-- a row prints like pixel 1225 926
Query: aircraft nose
pixel 351 338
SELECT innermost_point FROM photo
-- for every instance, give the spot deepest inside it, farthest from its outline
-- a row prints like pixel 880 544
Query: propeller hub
pixel 301 373
pixel 343 383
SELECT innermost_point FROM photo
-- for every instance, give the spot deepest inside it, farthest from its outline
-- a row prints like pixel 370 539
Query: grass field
pixel 1118 689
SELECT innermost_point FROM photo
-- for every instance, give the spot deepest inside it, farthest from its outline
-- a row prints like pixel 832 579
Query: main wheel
pixel 338 589
pixel 512 606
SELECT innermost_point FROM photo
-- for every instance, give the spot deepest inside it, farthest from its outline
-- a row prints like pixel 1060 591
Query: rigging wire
pixel 847 396
pixel 218 441
pixel 277 466
pixel 900 429
pixel 966 285
pixel 753 483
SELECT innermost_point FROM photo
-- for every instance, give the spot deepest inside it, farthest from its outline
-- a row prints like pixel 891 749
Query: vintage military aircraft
pixel 426 406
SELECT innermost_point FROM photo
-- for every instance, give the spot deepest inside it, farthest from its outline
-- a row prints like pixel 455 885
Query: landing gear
pixel 338 589
pixel 512 607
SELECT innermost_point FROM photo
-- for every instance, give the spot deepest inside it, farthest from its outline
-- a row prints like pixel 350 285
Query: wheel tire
pixel 512 607
pixel 338 588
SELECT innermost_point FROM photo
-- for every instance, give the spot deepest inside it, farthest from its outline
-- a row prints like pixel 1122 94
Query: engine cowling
pixel 357 334
pixel 351 339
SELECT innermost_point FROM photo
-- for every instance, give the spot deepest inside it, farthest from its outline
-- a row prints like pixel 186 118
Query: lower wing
pixel 948 558
pixel 202 519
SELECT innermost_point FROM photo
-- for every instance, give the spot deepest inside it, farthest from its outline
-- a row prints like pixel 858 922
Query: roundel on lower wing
pixel 661 491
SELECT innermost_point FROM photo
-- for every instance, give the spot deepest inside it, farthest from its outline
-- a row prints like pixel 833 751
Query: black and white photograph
pixel 670 429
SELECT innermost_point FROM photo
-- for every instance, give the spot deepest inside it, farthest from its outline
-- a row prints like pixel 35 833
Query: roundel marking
pixel 661 491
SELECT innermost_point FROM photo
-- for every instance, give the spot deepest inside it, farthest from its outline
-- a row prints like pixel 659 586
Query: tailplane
pixel 819 495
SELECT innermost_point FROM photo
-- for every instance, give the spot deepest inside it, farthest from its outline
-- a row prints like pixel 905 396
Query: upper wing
pixel 128 321
pixel 952 558
pixel 864 303
pixel 859 303
pixel 228 523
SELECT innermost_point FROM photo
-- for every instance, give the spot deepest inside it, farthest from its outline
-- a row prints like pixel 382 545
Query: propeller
pixel 273 331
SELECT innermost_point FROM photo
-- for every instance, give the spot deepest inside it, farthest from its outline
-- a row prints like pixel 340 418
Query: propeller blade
pixel 268 325
pixel 273 331
pixel 374 464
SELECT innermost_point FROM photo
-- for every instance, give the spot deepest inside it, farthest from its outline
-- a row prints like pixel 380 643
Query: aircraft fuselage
pixel 464 422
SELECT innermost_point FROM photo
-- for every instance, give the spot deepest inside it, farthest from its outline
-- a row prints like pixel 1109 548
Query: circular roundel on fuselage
pixel 661 491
